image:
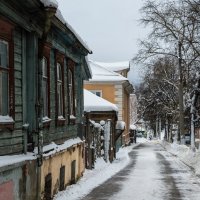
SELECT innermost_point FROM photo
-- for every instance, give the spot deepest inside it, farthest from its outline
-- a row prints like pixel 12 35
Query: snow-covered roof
pixel 94 103
pixel 115 66
pixel 54 3
pixel 100 73
pixel 50 3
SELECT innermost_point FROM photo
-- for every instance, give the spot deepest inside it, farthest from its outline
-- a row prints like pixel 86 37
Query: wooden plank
pixel 18 125
pixel 18 108
pixel 18 91
pixel 18 99
pixel 18 49
pixel 18 117
pixel 18 74
pixel 10 142
pixel 8 134
pixel 17 58
pixel 18 66
pixel 11 149
pixel 18 82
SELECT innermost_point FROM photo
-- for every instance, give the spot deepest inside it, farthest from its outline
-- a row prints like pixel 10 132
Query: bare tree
pixel 174 34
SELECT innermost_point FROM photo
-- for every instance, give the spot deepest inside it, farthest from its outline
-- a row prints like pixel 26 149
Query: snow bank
pixel 133 127
pixel 185 154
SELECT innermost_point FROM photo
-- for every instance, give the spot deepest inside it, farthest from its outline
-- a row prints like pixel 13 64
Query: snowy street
pixel 152 173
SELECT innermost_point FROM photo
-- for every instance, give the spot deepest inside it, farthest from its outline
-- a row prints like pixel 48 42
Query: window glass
pixel 45 86
pixel 4 77
pixel 71 95
pixel 59 72
pixel 97 92
pixel 59 90
pixel 3 54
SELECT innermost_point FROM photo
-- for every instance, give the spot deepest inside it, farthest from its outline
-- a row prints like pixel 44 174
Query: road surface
pixel 152 174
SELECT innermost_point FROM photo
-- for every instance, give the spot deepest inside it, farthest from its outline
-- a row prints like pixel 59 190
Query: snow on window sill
pixel 61 121
pixel 46 122
pixel 72 119
pixel 46 119
pixel 6 122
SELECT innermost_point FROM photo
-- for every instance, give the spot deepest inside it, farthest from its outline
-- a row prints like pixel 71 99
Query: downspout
pixel 49 13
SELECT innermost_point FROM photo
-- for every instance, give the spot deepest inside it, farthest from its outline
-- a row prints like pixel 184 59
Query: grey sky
pixel 109 27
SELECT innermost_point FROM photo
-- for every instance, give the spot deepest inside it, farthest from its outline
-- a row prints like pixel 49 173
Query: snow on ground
pixel 185 154
pixel 95 177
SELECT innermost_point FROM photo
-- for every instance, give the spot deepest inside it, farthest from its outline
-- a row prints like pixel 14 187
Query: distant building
pixel 115 88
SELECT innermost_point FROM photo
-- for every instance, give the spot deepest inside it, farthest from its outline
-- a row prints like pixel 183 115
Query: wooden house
pixel 42 68
pixel 115 88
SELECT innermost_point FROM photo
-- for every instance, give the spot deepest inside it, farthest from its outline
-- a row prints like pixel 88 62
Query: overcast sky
pixel 109 27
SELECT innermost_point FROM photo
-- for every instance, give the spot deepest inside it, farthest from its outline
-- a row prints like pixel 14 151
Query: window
pixel 4 78
pixel 45 87
pixel 59 90
pixel 97 92
pixel 71 93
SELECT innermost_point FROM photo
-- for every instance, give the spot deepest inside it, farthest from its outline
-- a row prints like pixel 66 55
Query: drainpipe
pixel 49 13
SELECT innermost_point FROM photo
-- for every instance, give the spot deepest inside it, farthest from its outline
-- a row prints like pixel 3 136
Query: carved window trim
pixel 6 31
pixel 71 92
pixel 59 61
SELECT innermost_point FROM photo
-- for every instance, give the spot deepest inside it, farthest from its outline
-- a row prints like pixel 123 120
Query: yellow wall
pixel 52 164
pixel 108 91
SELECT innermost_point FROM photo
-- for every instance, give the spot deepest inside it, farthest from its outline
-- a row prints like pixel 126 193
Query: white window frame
pixel 96 91
pixel 45 80
pixel 59 90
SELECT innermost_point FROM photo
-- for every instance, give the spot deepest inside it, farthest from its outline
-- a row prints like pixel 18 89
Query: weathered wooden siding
pixel 55 133
pixel 11 142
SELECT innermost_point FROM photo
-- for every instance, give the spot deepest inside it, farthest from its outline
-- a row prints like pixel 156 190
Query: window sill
pixel 7 125
pixel 6 122
pixel 61 121
pixel 46 122
pixel 72 120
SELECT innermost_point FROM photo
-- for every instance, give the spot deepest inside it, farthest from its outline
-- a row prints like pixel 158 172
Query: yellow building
pixel 113 87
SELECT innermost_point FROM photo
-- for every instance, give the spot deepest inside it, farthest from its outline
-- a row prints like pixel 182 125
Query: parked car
pixel 139 134
pixel 187 138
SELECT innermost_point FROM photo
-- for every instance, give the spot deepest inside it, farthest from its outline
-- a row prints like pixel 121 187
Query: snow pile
pixel 133 127
pixel 141 140
pixel 95 177
pixel 186 155
pixel 121 125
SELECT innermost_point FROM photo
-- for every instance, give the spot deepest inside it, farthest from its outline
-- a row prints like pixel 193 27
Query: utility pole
pixel 181 110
